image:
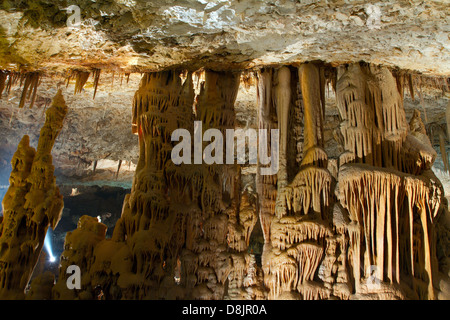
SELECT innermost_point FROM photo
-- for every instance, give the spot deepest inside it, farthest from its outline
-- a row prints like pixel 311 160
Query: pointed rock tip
pixel 25 140
pixel 59 98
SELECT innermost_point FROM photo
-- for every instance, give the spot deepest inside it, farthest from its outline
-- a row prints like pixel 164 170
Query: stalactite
pixel 422 103
pixel 411 85
pixel 447 119
pixel 30 85
pixel 96 75
pixel 375 200
pixel 282 102
pixel 3 77
pixel 312 85
pixel 266 184
pixel 443 151
pixel 118 168
pixel 13 78
pixel 81 78
pixel 31 204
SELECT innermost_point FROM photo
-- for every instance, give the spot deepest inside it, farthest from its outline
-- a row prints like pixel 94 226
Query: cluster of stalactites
pixel 29 80
pixel 391 198
pixel 393 216
pixel 31 204
pixel 373 124
pixel 244 279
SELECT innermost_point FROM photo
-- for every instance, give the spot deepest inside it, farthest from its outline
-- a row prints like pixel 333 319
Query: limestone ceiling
pixel 137 35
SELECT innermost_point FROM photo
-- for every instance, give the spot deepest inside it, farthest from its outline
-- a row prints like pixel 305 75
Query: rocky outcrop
pixel 31 205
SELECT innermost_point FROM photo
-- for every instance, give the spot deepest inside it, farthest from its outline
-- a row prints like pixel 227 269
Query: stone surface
pixel 136 34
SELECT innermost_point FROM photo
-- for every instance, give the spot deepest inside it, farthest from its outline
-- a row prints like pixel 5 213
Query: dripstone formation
pixel 31 205
pixel 364 222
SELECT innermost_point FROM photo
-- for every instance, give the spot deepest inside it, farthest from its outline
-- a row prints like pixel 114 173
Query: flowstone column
pixel 296 202
pixel 206 262
pixel 153 220
pixel 387 188
pixel 31 204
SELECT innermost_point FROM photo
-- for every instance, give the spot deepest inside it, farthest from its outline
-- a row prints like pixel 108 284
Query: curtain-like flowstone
pixel 391 195
pixel 31 204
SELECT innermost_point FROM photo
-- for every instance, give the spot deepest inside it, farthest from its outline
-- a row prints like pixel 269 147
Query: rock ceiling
pixel 142 35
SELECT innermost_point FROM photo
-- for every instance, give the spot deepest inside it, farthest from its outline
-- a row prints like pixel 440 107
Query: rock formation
pixel 31 204
pixel 362 221
pixel 184 228
pixel 391 196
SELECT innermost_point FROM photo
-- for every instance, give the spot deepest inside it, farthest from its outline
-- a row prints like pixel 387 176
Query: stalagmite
pixel 79 248
pixel 31 204
pixel 41 287
pixel 174 224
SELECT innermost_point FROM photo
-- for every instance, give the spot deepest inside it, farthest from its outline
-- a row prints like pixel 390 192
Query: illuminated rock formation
pixel 267 120
pixel 41 287
pixel 392 198
pixel 362 223
pixel 171 240
pixel 31 204
pixel 79 251
pixel 316 247
pixel 245 278
pixel 206 261
pixel 300 226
